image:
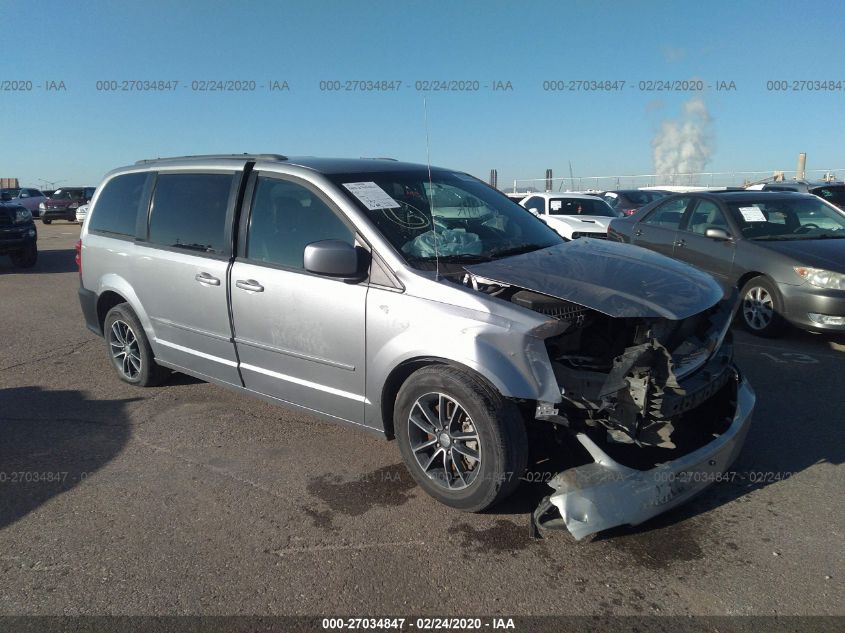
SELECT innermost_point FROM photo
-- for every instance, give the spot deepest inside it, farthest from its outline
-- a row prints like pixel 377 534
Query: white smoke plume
pixel 684 145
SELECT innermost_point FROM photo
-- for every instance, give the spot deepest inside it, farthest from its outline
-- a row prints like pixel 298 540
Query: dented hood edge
pixel 619 280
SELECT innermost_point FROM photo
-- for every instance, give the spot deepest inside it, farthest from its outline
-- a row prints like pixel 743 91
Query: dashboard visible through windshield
pixel 452 217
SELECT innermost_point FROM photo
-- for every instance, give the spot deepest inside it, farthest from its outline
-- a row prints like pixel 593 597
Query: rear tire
pixel 27 257
pixel 129 350
pixel 761 308
pixel 47 221
pixel 461 440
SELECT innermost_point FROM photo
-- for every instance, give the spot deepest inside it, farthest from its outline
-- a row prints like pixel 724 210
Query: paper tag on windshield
pixel 556 205
pixel 373 196
pixel 752 214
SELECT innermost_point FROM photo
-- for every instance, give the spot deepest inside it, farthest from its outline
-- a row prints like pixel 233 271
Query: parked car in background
pixel 833 192
pixel 572 215
pixel 516 197
pixel 26 197
pixel 64 202
pixel 18 235
pixel 419 303
pixel 81 212
pixel 784 251
pixel 627 201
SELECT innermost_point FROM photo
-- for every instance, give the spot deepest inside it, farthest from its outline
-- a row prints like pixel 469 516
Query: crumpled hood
pixel 617 279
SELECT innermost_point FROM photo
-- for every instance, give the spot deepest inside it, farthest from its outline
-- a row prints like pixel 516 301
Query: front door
pixel 714 256
pixel 300 337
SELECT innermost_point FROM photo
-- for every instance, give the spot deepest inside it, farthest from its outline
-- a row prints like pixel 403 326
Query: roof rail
pixel 243 156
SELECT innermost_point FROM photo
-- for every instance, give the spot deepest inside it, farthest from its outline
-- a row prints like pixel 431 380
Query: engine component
pixel 557 308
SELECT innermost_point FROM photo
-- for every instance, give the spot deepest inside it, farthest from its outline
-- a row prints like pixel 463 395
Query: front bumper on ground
pixel 606 494
pixel 800 301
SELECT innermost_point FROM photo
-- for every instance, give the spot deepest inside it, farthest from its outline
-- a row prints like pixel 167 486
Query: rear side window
pixel 536 204
pixel 116 210
pixel 668 214
pixel 189 212
pixel 285 218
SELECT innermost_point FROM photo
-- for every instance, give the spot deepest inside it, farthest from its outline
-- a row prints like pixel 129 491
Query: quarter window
pixel 116 210
pixel 285 218
pixel 189 212
pixel 668 214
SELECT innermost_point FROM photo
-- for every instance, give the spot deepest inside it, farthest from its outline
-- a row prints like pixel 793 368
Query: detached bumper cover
pixel 606 494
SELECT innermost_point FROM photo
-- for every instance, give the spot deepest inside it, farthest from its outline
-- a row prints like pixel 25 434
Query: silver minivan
pixel 423 305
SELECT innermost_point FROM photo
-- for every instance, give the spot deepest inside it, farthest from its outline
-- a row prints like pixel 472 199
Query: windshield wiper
pixel 457 258
pixel 516 250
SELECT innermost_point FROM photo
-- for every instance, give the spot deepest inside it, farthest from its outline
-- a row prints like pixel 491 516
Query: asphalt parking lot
pixel 190 499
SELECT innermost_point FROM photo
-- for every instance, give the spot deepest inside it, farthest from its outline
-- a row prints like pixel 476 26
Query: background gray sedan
pixel 784 251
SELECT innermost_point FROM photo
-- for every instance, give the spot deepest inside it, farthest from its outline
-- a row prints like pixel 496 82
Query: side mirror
pixel 334 258
pixel 717 234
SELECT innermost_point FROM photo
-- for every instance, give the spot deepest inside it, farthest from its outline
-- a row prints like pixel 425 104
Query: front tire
pixel 761 308
pixel 462 442
pixel 129 350
pixel 26 257
pixel 47 221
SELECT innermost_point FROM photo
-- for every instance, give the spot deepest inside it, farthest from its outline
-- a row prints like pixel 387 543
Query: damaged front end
pixel 660 420
pixel 650 395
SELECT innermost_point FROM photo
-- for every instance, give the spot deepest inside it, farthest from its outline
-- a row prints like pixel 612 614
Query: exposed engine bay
pixel 628 375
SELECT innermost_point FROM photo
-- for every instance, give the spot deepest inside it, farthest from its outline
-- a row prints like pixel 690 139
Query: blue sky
pixel 78 134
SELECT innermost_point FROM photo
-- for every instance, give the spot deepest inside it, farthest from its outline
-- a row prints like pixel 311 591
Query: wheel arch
pixel 113 289
pixel 105 302
pixel 748 276
pixel 403 371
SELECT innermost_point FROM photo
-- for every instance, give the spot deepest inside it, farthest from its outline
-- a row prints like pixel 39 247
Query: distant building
pixel 9 183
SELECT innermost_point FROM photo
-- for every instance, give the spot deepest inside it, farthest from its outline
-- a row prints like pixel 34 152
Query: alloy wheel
pixel 758 308
pixel 125 351
pixel 444 441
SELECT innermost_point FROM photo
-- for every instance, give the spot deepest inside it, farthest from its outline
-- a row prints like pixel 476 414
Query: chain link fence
pixel 701 179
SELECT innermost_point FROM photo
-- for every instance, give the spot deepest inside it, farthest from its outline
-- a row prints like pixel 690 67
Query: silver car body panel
pixel 301 338
pixel 607 494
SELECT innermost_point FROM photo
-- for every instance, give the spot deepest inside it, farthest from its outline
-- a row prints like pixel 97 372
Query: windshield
pixel 67 194
pixel 834 195
pixel 580 206
pixel 799 218
pixel 456 217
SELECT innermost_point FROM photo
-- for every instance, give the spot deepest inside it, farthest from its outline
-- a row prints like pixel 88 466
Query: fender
pixel 115 283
